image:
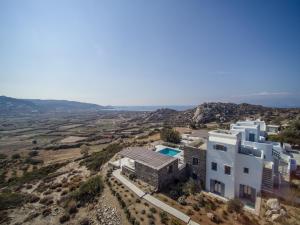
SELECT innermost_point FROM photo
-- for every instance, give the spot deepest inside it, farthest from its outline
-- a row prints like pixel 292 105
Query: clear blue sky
pixel 135 52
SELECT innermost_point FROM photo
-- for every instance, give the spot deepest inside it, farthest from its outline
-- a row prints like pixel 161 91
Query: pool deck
pixel 179 156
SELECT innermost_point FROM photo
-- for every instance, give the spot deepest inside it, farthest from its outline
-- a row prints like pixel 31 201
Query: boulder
pixel 211 216
pixel 275 217
pixel 282 212
pixel 273 204
pixel 268 213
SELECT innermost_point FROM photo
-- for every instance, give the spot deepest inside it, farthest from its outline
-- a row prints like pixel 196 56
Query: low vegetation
pixel 10 200
pixel 88 190
pixel 235 205
pixel 97 159
pixel 170 135
pixel 34 175
pixel 290 135
pixel 3 156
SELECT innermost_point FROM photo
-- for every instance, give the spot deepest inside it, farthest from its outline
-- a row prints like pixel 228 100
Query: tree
pixel 84 150
pixel 170 135
pixel 16 156
pixel 190 187
pixel 235 205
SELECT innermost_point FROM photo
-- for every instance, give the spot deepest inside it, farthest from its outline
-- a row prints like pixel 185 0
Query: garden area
pixel 138 211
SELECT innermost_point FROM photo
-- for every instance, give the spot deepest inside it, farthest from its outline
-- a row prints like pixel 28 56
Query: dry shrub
pixel 64 218
pixel 46 212
pixel 72 207
pixel 47 200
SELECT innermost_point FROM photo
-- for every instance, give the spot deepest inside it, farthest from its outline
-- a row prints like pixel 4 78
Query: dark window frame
pixel 227 170
pixel 220 147
pixel 214 166
pixel 246 170
pixel 195 161
pixel 170 169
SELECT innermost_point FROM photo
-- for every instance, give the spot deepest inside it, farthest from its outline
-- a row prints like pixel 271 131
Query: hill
pixel 14 106
pixel 219 112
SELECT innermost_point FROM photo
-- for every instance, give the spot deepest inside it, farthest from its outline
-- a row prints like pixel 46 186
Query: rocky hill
pixel 217 112
pixel 13 106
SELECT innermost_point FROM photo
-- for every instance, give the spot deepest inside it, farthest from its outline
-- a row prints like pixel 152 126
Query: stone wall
pixel 127 171
pixel 157 178
pixel 164 177
pixel 146 174
pixel 200 169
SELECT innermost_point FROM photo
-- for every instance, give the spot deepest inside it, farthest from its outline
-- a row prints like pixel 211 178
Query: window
pixel 246 170
pixel 170 169
pixel 227 170
pixel 194 176
pixel 214 166
pixel 195 161
pixel 220 147
pixel 247 190
pixel 252 137
pixel 217 187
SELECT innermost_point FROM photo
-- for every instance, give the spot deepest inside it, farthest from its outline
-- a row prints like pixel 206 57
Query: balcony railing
pixel 250 151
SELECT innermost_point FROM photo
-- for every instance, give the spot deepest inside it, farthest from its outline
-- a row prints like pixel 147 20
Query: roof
pixel 147 157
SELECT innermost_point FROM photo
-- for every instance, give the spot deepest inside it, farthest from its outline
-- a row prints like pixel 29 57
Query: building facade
pixel 240 163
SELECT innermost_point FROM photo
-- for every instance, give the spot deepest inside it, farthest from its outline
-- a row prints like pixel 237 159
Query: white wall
pixel 221 158
pixel 254 177
pixel 265 147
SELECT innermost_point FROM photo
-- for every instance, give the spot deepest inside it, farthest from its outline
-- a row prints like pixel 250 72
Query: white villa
pixel 240 162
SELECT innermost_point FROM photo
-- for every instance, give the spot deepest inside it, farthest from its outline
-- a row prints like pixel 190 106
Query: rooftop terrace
pixel 148 157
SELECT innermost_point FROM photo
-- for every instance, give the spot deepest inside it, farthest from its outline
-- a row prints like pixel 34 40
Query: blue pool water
pixel 169 151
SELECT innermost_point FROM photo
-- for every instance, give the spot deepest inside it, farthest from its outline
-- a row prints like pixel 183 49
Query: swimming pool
pixel 169 151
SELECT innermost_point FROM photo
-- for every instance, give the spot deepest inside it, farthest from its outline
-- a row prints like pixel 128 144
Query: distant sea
pixel 152 108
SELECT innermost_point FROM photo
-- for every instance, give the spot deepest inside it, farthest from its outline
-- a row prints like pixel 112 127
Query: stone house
pixel 195 160
pixel 154 168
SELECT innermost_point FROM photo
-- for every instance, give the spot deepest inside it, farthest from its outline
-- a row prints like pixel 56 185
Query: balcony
pixel 250 151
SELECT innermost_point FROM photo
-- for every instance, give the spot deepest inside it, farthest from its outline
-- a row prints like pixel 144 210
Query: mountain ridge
pixel 15 106
pixel 217 112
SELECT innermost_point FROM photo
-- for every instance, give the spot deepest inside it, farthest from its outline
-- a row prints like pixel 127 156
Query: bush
pixel 3 156
pixel 84 150
pixel 85 221
pixel 175 222
pixel 190 187
pixel 89 190
pixel 143 211
pixel 10 200
pixel 34 175
pixel 170 135
pixel 235 205
pixel 132 176
pixel 181 200
pixel 64 218
pixel 16 156
pixel 46 200
pixel 46 212
pixel 72 207
pixel 153 210
pixel 33 161
pixel 33 199
pixel 97 159
pixel 189 212
pixel 150 216
pixel 164 217
pixel 33 153
pixel 195 207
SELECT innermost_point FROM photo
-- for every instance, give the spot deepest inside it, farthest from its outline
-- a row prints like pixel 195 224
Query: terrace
pixel 248 150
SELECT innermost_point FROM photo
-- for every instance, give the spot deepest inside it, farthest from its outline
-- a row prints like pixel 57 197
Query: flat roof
pixel 224 132
pixel 147 157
